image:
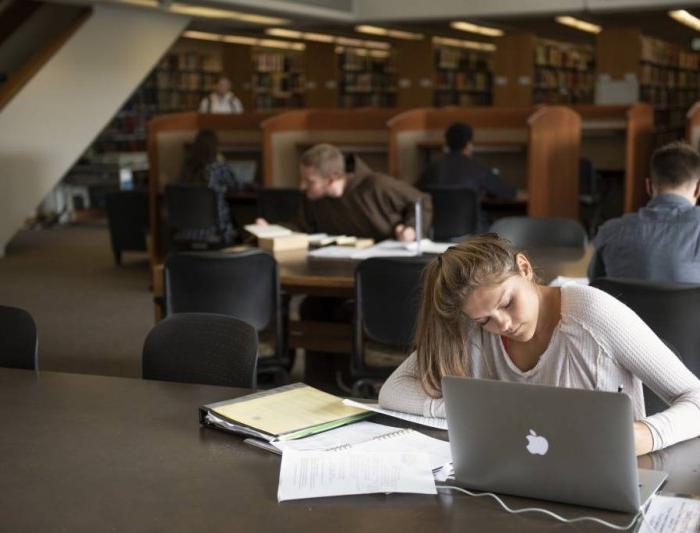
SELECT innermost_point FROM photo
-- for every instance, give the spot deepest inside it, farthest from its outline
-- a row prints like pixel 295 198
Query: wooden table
pixel 84 453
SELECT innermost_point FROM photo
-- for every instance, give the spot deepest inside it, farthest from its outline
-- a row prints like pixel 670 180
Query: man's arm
pixel 405 196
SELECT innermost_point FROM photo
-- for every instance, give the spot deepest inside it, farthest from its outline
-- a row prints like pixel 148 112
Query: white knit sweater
pixel 599 344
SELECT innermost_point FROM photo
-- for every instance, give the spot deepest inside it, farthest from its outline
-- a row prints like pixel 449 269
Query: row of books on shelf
pixel 561 96
pixel 463 81
pixel 453 58
pixel 187 81
pixel 668 97
pixel 352 61
pixel 367 81
pixel 560 56
pixel 658 75
pixel 664 53
pixel 443 99
pixel 276 62
pixel 278 101
pixel 170 101
pixel 567 79
pixel 278 82
pixel 373 99
pixel 191 61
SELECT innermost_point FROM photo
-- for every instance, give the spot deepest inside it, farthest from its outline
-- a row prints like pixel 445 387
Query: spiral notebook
pixel 371 437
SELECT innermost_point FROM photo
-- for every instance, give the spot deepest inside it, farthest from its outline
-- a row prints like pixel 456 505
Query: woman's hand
pixel 643 441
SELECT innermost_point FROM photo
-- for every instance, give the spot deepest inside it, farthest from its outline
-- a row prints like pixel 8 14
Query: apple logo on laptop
pixel 536 444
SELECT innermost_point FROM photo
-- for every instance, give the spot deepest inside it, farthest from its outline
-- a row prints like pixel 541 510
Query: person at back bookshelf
pixel 205 166
pixel 661 241
pixel 363 203
pixel 221 100
pixel 458 168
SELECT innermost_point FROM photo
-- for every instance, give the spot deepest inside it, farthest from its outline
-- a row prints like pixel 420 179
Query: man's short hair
pixel 325 158
pixel 675 164
pixel 458 135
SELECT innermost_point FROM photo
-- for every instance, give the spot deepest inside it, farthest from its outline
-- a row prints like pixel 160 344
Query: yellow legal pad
pixel 287 410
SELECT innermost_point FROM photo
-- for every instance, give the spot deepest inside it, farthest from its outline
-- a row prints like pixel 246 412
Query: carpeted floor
pixel 92 316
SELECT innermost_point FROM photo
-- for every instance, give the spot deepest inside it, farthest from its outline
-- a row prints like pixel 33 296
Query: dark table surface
pixel 92 453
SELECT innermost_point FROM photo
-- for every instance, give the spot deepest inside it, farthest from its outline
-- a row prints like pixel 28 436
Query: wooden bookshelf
pixel 529 70
pixel 278 79
pixel 462 77
pixel 178 83
pixel 367 78
pixel 667 74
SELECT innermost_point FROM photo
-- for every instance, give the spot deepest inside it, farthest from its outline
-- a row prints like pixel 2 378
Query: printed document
pixel 669 514
pixel 313 474
pixel 371 437
pixel 433 422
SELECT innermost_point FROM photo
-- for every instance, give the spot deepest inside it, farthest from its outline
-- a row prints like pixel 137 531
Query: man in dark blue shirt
pixel 459 169
pixel 661 241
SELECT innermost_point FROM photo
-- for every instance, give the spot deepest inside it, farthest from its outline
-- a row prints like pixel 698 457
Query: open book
pixel 284 413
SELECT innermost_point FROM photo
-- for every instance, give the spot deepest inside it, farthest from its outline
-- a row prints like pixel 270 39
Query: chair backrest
pixel 202 348
pixel 669 310
pixel 525 232
pixel 387 299
pixel 127 214
pixel 19 343
pixel 190 206
pixel 244 285
pixel 455 212
pixel 279 205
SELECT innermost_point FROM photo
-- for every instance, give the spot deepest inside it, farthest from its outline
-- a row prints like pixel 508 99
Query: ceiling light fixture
pixel 245 40
pixel 211 12
pixel 294 34
pixel 579 24
pixel 682 16
pixel 475 28
pixel 459 43
pixel 386 32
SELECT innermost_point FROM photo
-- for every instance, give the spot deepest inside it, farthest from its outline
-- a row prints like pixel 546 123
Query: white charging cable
pixel 550 513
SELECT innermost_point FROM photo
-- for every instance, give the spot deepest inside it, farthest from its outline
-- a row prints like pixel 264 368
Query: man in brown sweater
pixel 364 204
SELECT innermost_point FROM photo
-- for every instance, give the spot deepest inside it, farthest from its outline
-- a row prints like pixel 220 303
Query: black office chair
pixel 670 310
pixel 202 348
pixel 456 213
pixel 244 285
pixel 127 214
pixel 279 205
pixel 387 298
pixel 19 342
pixel 590 185
pixel 192 216
pixel 526 232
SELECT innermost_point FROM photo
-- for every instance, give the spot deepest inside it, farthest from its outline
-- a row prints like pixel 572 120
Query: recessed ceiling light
pixel 682 16
pixel 459 43
pixel 211 12
pixel 245 40
pixel 294 34
pixel 476 28
pixel 579 24
pixel 386 32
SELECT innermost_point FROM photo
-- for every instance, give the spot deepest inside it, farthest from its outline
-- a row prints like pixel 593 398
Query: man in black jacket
pixel 458 169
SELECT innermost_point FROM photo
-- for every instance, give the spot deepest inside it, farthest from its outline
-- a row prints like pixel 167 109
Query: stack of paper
pixel 388 248
pixel 288 412
pixel 312 474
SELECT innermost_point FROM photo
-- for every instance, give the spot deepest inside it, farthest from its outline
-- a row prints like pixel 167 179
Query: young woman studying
pixel 484 315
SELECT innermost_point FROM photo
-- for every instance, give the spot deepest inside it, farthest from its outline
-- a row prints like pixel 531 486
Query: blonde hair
pixel 443 329
pixel 325 158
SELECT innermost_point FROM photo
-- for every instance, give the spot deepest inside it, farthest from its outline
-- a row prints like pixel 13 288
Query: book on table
pixel 285 413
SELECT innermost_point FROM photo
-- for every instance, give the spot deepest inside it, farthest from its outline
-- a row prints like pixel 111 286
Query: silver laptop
pixel 552 443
